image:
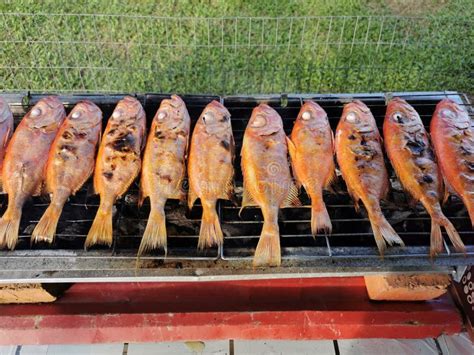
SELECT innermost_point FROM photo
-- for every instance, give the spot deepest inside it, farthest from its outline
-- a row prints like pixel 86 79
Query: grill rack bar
pixel 344 253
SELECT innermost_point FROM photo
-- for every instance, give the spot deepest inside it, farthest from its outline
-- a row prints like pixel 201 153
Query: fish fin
pixel 354 197
pixel 247 199
pixel 46 227
pixel 320 220
pixel 101 230
pixel 268 251
pixel 38 190
pixel 291 199
pixel 9 228
pixel 452 234
pixel 192 197
pixel 228 190
pixel 210 233
pixel 154 236
pixel 292 152
pixel 383 232
pixel 330 180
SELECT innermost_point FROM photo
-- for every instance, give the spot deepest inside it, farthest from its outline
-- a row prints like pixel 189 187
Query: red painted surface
pixel 322 308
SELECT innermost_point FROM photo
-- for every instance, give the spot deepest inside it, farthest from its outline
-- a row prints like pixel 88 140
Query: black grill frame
pixel 350 250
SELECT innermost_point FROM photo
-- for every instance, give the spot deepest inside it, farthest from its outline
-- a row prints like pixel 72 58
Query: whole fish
pixel 70 163
pixel 6 131
pixel 25 159
pixel 410 153
pixel 311 150
pixel 164 168
pixel 453 141
pixel 117 165
pixel 360 158
pixel 267 178
pixel 210 169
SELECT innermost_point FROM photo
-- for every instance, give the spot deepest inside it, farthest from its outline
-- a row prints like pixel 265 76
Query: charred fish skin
pixel 164 168
pixel 311 148
pixel 361 161
pixel 25 159
pixel 117 165
pixel 268 183
pixel 210 169
pixel 70 164
pixel 453 141
pixel 6 131
pixel 409 150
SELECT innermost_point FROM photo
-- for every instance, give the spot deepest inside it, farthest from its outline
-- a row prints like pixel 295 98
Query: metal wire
pixel 233 55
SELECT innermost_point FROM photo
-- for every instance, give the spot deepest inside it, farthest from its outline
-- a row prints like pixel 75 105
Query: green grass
pixel 231 46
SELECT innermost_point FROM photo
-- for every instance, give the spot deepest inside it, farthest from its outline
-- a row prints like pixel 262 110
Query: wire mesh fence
pixel 234 55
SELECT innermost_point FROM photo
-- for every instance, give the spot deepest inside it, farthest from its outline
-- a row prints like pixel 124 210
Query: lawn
pixel 232 47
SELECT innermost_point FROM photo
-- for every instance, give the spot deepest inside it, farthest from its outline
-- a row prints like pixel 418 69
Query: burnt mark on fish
pixel 225 144
pixel 470 165
pixel 108 175
pixel 224 118
pixel 159 134
pixel 68 148
pixel 167 178
pixel 351 137
pixel 466 151
pixel 67 135
pixel 80 135
pixel 416 146
pixel 428 179
pixel 124 143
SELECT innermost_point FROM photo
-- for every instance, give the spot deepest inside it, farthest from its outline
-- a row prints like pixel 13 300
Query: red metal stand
pixel 320 308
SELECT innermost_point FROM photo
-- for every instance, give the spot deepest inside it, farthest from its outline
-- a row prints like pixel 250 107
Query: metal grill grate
pixel 350 249
pixel 233 55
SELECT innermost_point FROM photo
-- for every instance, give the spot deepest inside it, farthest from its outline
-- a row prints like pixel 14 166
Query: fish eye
pixel 35 112
pixel 397 117
pixel 161 115
pixel 306 115
pixel 208 117
pixel 117 113
pixel 351 117
pixel 76 114
pixel 259 121
pixel 447 113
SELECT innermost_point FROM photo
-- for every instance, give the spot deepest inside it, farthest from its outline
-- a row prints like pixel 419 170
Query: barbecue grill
pixel 350 250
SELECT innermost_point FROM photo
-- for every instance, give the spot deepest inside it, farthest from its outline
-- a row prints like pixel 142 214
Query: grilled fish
pixel 210 169
pixel 453 141
pixel 6 131
pixel 360 158
pixel 25 159
pixel 311 150
pixel 410 153
pixel 70 163
pixel 117 165
pixel 267 178
pixel 164 168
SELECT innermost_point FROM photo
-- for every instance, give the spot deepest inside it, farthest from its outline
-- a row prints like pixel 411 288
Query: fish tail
pixel 154 236
pixel 437 238
pixel 384 232
pixel 320 221
pixel 46 227
pixel 9 226
pixel 101 229
pixel 211 232
pixel 268 252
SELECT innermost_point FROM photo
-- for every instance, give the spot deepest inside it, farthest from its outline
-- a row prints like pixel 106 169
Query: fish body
pixel 312 157
pixel 117 165
pixel 409 150
pixel 210 169
pixel 453 141
pixel 70 163
pixel 25 159
pixel 360 158
pixel 6 130
pixel 164 167
pixel 267 178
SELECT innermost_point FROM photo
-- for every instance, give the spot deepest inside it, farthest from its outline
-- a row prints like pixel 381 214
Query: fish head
pixel 47 114
pixel 172 114
pixel 5 112
pixel 215 118
pixel 85 115
pixel 357 116
pixel 401 113
pixel 265 121
pixel 312 116
pixel 128 110
pixel 451 112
